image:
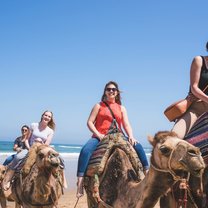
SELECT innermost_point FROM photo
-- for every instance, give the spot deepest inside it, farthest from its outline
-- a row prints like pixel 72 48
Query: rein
pixel 169 170
pixel 186 190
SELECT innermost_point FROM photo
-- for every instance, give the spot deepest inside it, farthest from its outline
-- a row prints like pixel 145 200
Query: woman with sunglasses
pixel 99 122
pixel 42 132
pixel 19 144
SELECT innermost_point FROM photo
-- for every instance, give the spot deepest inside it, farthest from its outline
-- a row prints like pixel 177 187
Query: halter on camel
pixel 183 181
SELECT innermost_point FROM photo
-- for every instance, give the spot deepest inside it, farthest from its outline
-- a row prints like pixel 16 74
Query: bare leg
pixel 80 187
pixel 64 180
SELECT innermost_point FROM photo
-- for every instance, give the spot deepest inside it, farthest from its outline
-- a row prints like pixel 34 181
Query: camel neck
pixel 156 190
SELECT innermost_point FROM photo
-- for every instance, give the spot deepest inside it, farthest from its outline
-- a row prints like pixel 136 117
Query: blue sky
pixel 58 55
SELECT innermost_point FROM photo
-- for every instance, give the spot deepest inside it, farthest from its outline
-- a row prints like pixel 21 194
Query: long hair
pixel 207 46
pixel 118 96
pixel 51 123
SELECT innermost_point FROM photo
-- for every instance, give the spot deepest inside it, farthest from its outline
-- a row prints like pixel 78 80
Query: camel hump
pixel 106 147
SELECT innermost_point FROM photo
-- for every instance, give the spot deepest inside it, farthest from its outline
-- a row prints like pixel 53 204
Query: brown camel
pixel 2 197
pixel 42 186
pixel 119 186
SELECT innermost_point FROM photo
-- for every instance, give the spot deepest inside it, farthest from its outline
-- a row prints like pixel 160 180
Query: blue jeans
pixel 8 159
pixel 90 147
pixel 18 159
pixel 85 154
pixel 142 156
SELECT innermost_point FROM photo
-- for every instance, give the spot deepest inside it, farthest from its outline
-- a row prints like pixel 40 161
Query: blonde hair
pixel 51 123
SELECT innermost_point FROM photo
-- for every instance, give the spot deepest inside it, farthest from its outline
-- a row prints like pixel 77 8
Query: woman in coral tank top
pixel 99 123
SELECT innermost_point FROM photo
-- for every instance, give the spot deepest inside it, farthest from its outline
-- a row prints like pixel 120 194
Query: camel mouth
pixel 196 172
pixel 55 162
pixel 55 165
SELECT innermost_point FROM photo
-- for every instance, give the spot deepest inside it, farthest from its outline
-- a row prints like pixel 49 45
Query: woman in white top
pixel 43 131
pixel 39 132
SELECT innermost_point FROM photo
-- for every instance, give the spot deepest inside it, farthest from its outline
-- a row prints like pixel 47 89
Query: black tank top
pixel 203 81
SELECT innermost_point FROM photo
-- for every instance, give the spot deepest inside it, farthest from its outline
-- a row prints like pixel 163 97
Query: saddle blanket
pixel 104 149
pixel 198 135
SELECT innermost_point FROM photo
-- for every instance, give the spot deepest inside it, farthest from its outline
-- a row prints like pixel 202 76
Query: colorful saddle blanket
pixel 198 135
pixel 104 149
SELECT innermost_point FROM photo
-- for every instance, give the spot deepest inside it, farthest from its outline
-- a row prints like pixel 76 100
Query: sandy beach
pixel 68 200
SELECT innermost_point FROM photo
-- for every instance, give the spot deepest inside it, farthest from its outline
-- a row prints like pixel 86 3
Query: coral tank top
pixel 104 117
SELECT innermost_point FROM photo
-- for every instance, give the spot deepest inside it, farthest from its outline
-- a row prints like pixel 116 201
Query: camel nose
pixel 55 161
pixel 194 152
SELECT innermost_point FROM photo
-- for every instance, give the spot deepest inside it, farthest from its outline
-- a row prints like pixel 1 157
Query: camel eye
pixel 41 155
pixel 165 150
pixel 3 171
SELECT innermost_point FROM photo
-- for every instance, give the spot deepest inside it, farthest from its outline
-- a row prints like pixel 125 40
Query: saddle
pixel 100 157
pixel 105 148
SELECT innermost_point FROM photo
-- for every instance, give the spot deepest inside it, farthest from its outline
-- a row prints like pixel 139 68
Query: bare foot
pixel 80 188
pixel 145 171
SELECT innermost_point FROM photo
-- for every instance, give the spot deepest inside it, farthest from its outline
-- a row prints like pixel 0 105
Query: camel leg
pixel 3 202
pixel 6 183
pixel 167 201
pixel 17 205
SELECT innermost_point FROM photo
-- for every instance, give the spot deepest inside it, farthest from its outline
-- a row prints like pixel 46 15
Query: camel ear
pixel 151 140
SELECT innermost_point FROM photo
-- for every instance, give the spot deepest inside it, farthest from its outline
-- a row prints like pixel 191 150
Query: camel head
pixel 47 157
pixel 2 172
pixel 174 155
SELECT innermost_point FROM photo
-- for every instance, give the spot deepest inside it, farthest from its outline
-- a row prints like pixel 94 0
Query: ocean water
pixel 65 150
pixel 69 153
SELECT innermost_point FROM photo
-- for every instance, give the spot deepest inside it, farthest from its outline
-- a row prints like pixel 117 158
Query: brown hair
pixel 25 126
pixel 51 123
pixel 118 97
pixel 207 46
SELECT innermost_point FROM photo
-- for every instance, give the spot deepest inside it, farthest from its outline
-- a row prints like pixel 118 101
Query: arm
pixel 91 121
pixel 127 126
pixel 16 148
pixel 27 139
pixel 49 139
pixel 195 77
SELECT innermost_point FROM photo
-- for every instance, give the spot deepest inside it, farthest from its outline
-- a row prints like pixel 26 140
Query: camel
pixel 119 185
pixel 197 192
pixel 2 197
pixel 42 186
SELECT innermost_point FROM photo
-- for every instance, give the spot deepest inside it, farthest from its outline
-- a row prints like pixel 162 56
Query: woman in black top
pixel 198 82
pixel 19 143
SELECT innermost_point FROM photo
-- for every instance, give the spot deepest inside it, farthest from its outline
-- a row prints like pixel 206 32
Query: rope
pixel 183 186
pixel 76 203
pixel 185 194
pixel 169 170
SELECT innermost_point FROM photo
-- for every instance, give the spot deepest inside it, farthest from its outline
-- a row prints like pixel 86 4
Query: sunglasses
pixel 111 89
pixel 24 130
